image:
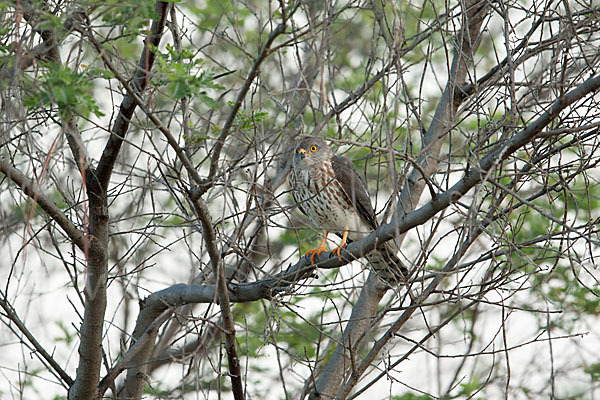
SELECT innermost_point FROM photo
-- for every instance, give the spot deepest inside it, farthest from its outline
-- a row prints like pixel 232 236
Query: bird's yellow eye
pixel 313 148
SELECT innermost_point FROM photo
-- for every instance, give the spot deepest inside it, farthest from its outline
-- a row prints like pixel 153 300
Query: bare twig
pixel 12 315
pixel 30 189
pixel 262 55
pixel 223 296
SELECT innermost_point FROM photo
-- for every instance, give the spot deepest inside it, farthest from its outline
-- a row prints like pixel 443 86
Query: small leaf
pixel 209 102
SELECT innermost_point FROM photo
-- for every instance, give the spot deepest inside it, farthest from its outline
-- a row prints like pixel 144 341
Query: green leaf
pixel 68 90
pixel 412 396
pixel 182 73
pixel 593 370
pixel 67 336
pixel 132 16
pixel 209 102
pixel 195 139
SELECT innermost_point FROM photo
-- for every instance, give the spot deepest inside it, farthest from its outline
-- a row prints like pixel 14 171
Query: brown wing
pixel 354 188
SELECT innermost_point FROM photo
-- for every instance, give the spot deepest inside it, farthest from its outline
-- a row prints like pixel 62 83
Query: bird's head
pixel 312 151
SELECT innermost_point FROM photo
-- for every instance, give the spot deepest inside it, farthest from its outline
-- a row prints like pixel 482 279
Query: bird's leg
pixel 338 249
pixel 318 250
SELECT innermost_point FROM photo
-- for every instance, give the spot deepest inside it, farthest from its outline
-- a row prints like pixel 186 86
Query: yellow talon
pixel 338 250
pixel 318 250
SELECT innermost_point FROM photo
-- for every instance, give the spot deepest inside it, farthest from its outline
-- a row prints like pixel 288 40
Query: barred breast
pixel 321 197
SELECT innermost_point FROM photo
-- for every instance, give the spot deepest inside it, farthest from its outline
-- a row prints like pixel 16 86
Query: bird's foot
pixel 315 252
pixel 338 251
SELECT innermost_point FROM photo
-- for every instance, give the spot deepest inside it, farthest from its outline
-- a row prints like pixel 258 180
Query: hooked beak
pixel 301 152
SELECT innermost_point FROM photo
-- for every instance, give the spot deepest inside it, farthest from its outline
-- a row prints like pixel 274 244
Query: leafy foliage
pixel 179 73
pixel 131 16
pixel 71 92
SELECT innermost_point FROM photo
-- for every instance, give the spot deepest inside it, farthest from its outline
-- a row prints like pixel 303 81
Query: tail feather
pixel 387 266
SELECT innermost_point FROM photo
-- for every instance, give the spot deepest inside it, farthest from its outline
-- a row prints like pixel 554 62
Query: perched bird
pixel 330 192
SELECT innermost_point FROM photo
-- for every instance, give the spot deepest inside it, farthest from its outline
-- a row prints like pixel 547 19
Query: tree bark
pixel 97 182
pixel 91 331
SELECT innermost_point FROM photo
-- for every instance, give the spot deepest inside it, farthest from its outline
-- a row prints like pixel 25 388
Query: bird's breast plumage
pixel 321 197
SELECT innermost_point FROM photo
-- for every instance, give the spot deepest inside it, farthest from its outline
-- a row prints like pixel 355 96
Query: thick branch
pixel 146 340
pixel 80 155
pixel 96 183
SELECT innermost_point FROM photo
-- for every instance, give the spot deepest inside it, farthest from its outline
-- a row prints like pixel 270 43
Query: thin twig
pixel 223 296
pixel 31 190
pixel 12 315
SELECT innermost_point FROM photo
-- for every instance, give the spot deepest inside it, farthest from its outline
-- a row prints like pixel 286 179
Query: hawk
pixel 330 192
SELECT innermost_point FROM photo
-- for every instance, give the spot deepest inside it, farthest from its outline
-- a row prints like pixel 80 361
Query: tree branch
pixel 209 236
pixel 333 371
pixel 96 183
pixel 31 190
pixel 12 315
pixel 139 81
